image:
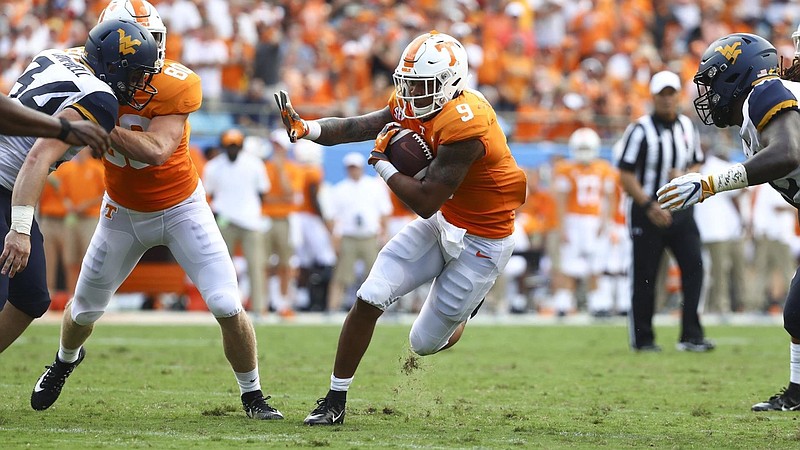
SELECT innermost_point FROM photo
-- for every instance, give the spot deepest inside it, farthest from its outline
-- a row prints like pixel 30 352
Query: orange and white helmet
pixel 145 14
pixel 584 145
pixel 439 63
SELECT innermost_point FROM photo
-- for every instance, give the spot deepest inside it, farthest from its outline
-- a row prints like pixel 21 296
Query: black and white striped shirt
pixel 651 149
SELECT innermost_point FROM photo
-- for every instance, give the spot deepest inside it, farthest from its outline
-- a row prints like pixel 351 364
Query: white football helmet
pixel 146 15
pixel 796 40
pixel 584 145
pixel 432 71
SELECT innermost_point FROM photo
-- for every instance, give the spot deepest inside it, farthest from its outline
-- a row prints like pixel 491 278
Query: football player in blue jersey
pixel 16 120
pixel 119 60
pixel 739 83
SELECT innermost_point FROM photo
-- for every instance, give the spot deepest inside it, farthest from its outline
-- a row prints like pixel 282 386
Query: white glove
pixel 685 191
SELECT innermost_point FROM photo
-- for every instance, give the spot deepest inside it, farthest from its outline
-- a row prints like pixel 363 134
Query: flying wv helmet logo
pixel 730 52
pixel 127 45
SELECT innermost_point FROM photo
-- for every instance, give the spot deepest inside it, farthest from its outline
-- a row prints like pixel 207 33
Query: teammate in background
pixel 310 236
pixel 154 197
pixel 614 281
pixel 583 185
pixel 466 204
pixel 283 198
pixel 17 120
pixel 82 187
pixel 739 84
pixel 90 90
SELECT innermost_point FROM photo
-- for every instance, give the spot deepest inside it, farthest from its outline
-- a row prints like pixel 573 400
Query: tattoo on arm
pixel 336 130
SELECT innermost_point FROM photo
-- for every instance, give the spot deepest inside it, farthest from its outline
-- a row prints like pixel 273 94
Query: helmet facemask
pixel 123 54
pixel 432 71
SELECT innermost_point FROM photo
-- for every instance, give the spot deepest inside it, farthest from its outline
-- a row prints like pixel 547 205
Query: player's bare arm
pixel 331 130
pixel 443 177
pixel 153 146
pixel 16 120
pixel 25 196
pixel 335 130
pixel 781 152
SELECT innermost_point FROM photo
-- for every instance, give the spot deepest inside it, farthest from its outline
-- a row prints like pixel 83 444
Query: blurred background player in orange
pixel 52 212
pixel 282 199
pixel 582 185
pixel 82 188
pixel 310 235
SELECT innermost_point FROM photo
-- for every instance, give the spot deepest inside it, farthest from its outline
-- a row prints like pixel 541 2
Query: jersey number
pixel 588 190
pixel 134 123
pixel 465 111
pixel 177 70
pixel 58 91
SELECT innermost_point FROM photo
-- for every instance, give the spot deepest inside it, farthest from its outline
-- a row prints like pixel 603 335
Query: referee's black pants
pixel 649 242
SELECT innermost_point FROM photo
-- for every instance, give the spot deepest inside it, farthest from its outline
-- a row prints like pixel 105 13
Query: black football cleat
pixel 327 412
pixel 48 387
pixel 781 401
pixel 256 406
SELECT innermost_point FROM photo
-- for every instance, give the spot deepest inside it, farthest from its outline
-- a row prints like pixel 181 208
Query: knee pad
pixel 377 293
pixel 223 301
pixel 34 308
pixel 424 344
pixel 84 312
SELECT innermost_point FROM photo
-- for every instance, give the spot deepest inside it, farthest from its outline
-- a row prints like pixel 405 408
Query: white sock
pixel 340 384
pixel 68 355
pixel 563 300
pixel 248 381
pixel 794 363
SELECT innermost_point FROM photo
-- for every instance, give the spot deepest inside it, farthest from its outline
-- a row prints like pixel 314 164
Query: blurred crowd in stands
pixel 548 66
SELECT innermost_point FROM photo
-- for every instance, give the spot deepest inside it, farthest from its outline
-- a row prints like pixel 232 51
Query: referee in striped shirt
pixel 654 149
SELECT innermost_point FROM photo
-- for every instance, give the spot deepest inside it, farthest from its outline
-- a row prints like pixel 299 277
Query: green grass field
pixel 500 387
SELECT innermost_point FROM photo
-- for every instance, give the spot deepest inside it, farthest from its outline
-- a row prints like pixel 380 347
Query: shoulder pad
pixel 767 99
pixel 179 90
pixel 463 118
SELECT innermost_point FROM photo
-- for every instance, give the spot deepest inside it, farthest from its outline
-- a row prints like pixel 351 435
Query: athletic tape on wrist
pixel 385 169
pixel 735 177
pixel 22 219
pixel 314 130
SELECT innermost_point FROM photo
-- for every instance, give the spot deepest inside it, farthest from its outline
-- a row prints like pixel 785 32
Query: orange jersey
pixel 540 211
pixel 278 205
pixel 82 185
pixel 586 185
pixel 312 179
pixel 495 186
pixel 147 188
pixel 51 203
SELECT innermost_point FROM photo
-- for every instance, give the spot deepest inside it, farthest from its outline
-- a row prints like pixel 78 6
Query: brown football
pixel 409 153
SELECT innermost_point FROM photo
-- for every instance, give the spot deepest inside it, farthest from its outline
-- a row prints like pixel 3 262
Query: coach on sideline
pixel 654 149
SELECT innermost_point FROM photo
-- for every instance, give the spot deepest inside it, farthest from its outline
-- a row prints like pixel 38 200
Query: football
pixel 409 153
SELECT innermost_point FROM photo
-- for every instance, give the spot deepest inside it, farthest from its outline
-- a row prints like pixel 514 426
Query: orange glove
pixel 295 126
pixel 382 142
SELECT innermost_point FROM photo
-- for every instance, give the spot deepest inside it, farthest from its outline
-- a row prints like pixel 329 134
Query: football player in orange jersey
pixel 89 89
pixel 154 197
pixel 583 186
pixel 466 204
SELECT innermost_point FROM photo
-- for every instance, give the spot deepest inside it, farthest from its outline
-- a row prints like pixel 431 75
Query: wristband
pixel 385 169
pixel 21 219
pixel 314 130
pixel 735 177
pixel 66 127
